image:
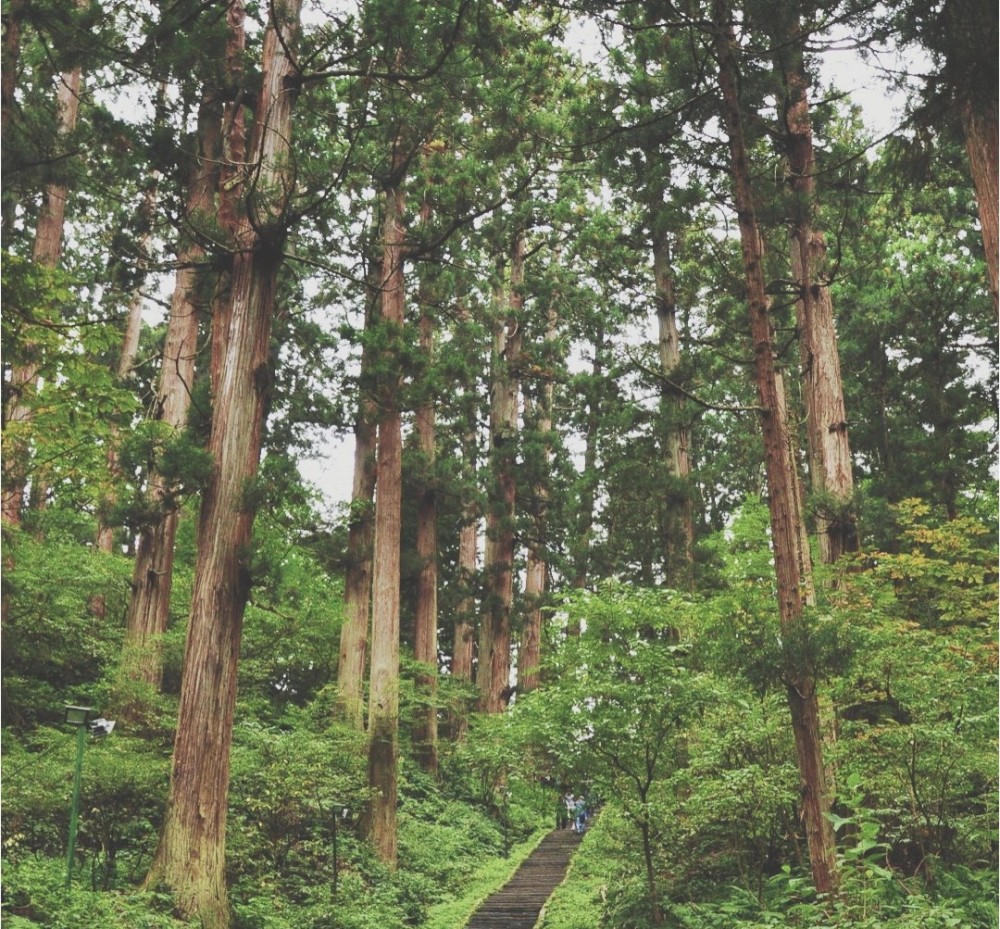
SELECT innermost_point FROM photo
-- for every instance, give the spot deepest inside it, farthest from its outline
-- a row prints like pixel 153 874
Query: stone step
pixel 517 904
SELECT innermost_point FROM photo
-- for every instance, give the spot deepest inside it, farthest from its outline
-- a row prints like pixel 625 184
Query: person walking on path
pixel 570 801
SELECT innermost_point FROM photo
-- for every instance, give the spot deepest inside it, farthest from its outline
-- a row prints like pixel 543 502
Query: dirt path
pixel 517 904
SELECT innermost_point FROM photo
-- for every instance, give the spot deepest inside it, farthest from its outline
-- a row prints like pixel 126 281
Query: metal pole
pixel 505 813
pixel 81 740
pixel 335 854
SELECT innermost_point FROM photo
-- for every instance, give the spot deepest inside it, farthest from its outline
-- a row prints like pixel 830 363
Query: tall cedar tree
pixel 152 572
pixel 425 619
pixel 493 670
pixel 679 528
pixel 463 646
pixel 360 531
pixel 968 29
pixel 126 363
pixel 654 196
pixel 190 857
pixel 536 570
pixel 383 706
pixel 786 528
pixel 589 479
pixel 823 390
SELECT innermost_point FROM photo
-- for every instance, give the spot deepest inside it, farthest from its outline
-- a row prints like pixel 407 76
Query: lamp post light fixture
pixel 78 715
pixel 81 717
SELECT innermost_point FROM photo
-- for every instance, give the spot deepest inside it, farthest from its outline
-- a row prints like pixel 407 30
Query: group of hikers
pixel 572 812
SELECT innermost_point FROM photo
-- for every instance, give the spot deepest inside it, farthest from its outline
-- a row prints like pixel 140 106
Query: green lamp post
pixel 78 716
pixel 81 717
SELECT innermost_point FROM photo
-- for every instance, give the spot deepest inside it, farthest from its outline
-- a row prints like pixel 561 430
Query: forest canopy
pixel 668 364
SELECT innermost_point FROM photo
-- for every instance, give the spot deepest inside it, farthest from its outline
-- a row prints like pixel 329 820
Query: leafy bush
pixel 35 895
pixel 922 743
pixel 600 892
pixel 288 787
pixel 447 842
pixel 123 784
pixel 56 646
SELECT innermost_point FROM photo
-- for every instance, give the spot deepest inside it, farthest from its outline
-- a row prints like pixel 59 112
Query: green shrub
pixel 122 789
pixel 35 895
pixel 488 877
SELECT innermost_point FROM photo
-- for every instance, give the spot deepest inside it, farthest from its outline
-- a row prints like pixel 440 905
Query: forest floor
pixel 518 903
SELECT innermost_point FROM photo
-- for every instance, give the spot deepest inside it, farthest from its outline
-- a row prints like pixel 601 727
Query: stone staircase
pixel 517 904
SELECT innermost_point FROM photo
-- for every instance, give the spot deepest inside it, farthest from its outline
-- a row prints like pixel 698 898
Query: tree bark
pixel 383 708
pixel 190 857
pixel 979 127
pixel 679 529
pixel 493 674
pixel 463 646
pixel 468 537
pixel 360 540
pixel 126 362
pixel 529 655
pixel 826 417
pixel 966 31
pixel 426 609
pixel 152 573
pixel 783 503
pixel 468 553
pixel 580 552
pixel 48 244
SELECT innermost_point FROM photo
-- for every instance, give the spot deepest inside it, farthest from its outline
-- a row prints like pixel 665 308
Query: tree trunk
pixel 529 656
pixel 190 857
pixel 48 244
pixel 589 480
pixel 980 130
pixel 383 708
pixel 360 540
pixel 24 377
pixel 468 552
pixel 803 552
pixel 783 503
pixel 826 417
pixel 152 573
pixel 655 910
pixel 493 674
pixel 426 611
pixel 463 645
pixel 966 31
pixel 126 362
pixel 679 529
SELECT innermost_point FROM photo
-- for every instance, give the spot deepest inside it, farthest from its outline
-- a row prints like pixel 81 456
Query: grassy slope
pixel 454 914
